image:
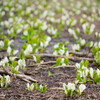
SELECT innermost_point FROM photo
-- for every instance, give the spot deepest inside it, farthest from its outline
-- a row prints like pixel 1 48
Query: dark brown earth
pixel 17 88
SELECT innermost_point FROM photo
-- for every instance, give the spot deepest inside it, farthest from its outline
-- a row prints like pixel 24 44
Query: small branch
pixel 56 67
pixel 81 54
pixel 56 88
pixel 25 77
pixel 67 66
pixel 43 63
pixel 36 65
pixel 49 62
pixel 20 76
pixel 91 59
pixel 52 55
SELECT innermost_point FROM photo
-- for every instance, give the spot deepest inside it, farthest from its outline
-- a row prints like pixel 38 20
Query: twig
pixel 49 62
pixel 25 77
pixel 20 76
pixel 52 55
pixel 71 58
pixel 56 88
pixel 43 63
pixel 81 54
pixel 67 66
pixel 36 65
pixel 56 67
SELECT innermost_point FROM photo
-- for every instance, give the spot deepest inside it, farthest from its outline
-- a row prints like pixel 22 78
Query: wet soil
pixel 17 88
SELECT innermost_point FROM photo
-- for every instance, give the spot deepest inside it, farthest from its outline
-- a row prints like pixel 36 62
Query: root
pixel 74 58
pixel 86 56
pixel 43 63
pixel 56 88
pixel 67 66
pixel 81 54
pixel 20 76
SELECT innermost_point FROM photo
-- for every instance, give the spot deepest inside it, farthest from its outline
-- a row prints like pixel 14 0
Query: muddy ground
pixel 17 88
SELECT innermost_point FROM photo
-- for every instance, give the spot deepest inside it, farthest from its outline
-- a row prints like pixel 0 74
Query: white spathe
pixel 82 87
pixel 71 86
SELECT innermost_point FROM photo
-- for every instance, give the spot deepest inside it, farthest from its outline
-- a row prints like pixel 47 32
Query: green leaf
pixel 66 61
pixel 44 88
pixel 58 61
pixel 35 86
pixel 50 74
pixel 22 56
pixel 38 59
pixel 13 70
pixel 14 63
pixel 6 42
pixel 66 42
pixel 24 37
